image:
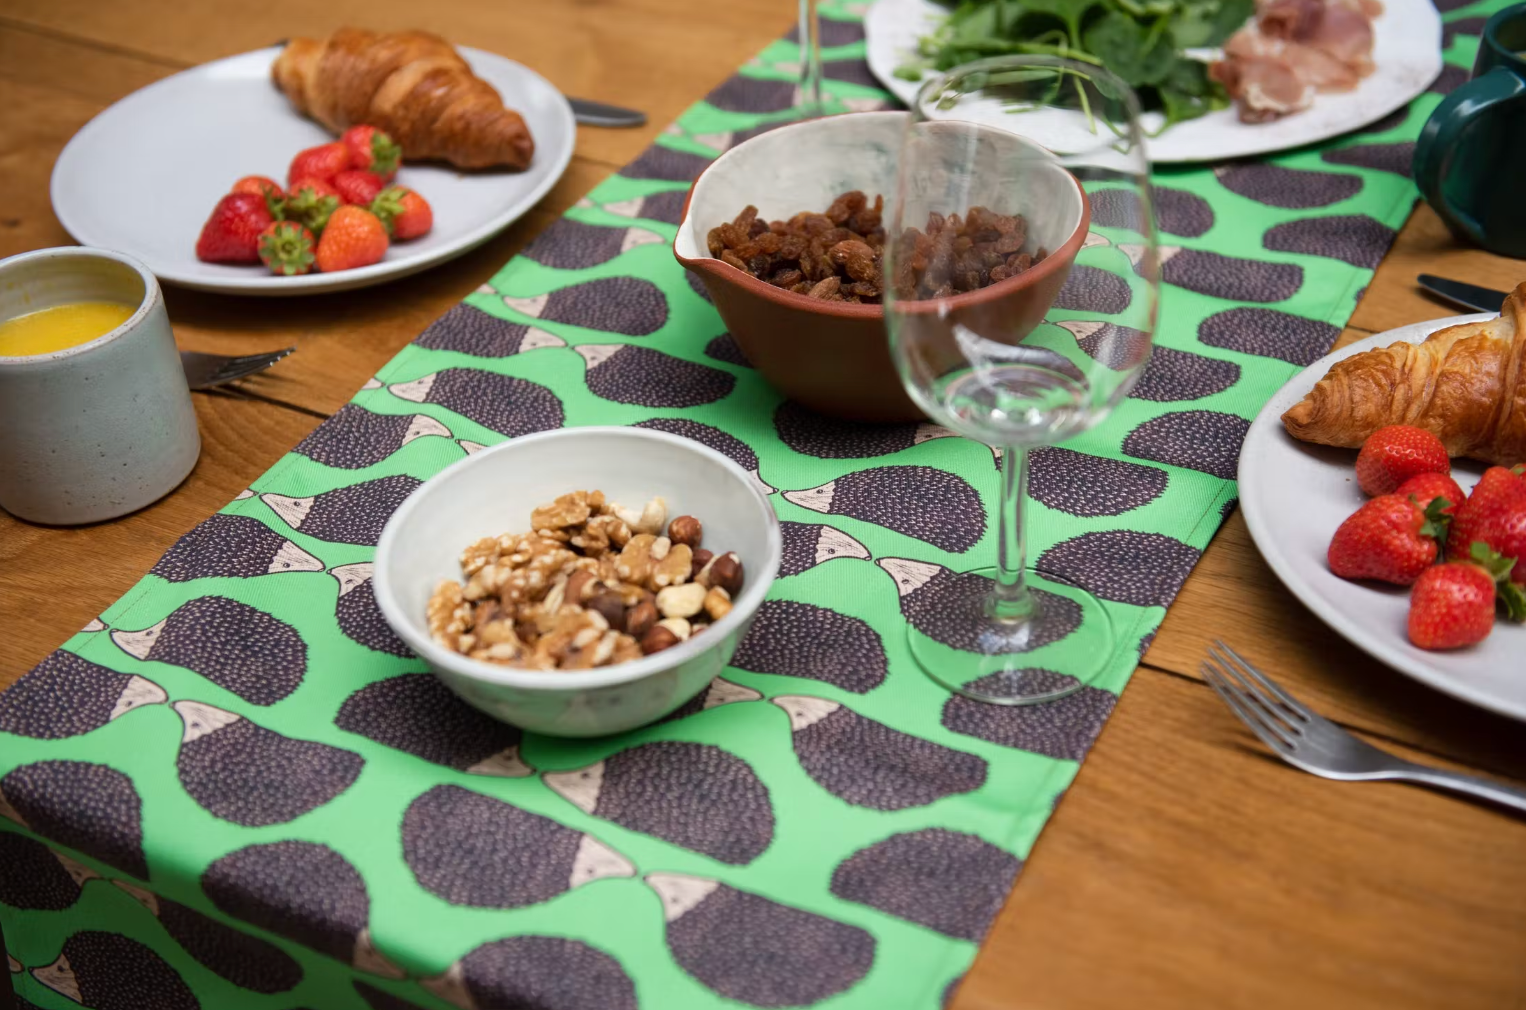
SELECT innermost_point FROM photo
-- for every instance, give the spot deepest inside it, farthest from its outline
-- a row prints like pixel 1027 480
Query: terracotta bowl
pixel 834 357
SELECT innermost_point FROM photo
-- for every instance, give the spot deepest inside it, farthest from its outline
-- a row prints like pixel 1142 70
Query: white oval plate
pixel 1295 494
pixel 142 177
pixel 1406 51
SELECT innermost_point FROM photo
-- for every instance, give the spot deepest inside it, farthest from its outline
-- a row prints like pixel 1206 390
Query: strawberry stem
pixel 386 155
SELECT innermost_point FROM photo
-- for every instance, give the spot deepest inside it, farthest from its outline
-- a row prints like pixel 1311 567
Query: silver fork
pixel 203 371
pixel 1305 739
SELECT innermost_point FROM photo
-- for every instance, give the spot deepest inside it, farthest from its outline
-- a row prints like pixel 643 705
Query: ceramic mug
pixel 1468 161
pixel 102 428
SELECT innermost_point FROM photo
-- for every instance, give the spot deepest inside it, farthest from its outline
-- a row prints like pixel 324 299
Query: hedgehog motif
pixel 789 639
pixel 108 971
pixel 470 330
pixel 1206 440
pixel 1120 348
pixel 1177 212
pixel 756 951
pixel 347 515
pixel 807 545
pixel 249 775
pixel 37 878
pixel 1089 289
pixel 416 713
pixel 66 695
pixel 236 647
pixel 1289 188
pixel 232 954
pixel 1079 484
pixel 90 808
pixel 544 972
pixel 1062 729
pixel 719 692
pixel 830 33
pixel 354 437
pixel 471 849
pixel 732 448
pixel 868 764
pixel 573 245
pixel 1174 375
pixel 666 205
pixel 754 94
pixel 230 546
pixel 625 305
pixel 696 285
pixel 507 405
pixel 725 348
pixel 1449 80
pixel 1145 569
pixel 470 448
pixel 934 598
pixel 812 434
pixel 693 795
pixel 945 880
pixel 1228 277
pixel 659 162
pixel 918 501
pixel 376 999
pixel 1398 117
pixel 303 891
pixel 643 377
pixel 1269 333
pixel 1357 239
pixel 1395 158
pixel 357 613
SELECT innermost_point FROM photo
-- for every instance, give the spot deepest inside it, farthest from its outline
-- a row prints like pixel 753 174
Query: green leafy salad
pixel 1142 41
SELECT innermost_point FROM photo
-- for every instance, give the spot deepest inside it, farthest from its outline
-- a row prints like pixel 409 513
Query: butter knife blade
pixel 599 114
pixel 1469 296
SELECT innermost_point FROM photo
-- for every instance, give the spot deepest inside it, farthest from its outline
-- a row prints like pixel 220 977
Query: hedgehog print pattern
pixel 1461 26
pixel 232 954
pixel 756 951
pixel 1120 348
pixel 572 245
pixel 236 647
pixel 347 515
pixel 470 849
pixel 660 162
pixel 357 613
pixel 90 808
pixel 752 94
pixel 1449 80
pixel 868 764
pixel 666 206
pixel 830 33
pixel 66 695
pixel 924 502
pixel 355 437
pixel 1145 569
pixel 470 330
pixel 627 305
pixel 108 971
pixel 731 447
pixel 807 545
pixel 33 876
pixel 303 891
pixel 1177 212
pixel 417 714
pixel 718 692
pixel 1269 333
pixel 696 285
pixel 509 406
pixel 643 377
pixel 932 597
pixel 692 795
pixel 229 546
pixel 1205 440
pixel 243 773
pixel 1174 375
pixel 1229 277
pixel 1288 188
pixel 1089 486
pixel 1357 239
pixel 1062 729
pixel 543 972
pixel 1089 289
pixel 948 881
pixel 812 434
pixel 1396 158
pixel 378 999
pixel 789 639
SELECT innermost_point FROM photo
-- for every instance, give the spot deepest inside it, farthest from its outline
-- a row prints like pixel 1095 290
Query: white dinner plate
pixel 1295 494
pixel 1406 52
pixel 142 177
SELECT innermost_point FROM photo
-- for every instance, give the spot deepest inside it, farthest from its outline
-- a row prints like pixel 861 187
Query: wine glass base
pixel 1063 646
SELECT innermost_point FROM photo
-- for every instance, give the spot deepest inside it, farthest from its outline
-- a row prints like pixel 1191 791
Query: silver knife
pixel 599 114
pixel 1469 296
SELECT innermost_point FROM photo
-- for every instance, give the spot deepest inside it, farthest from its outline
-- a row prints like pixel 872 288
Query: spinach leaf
pixel 1126 48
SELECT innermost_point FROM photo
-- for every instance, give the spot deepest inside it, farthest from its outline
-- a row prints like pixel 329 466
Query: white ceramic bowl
pixel 494 491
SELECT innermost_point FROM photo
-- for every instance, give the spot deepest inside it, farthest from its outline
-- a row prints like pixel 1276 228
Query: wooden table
pixel 1186 868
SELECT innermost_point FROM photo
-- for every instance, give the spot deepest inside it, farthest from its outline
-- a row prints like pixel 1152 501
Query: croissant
pixel 413 85
pixel 1466 384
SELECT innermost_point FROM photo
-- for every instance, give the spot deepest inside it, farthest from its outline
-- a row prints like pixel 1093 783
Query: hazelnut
pixel 686 530
pixel 701 559
pixel 717 603
pixel 674 569
pixel 580 586
pixel 678 626
pixel 726 572
pixel 681 601
pixel 640 618
pixel 656 639
pixel 609 606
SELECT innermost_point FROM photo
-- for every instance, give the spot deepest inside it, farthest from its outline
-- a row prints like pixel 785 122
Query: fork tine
pixel 1253 701
pixel 1283 696
pixel 1266 702
pixel 235 368
pixel 1252 720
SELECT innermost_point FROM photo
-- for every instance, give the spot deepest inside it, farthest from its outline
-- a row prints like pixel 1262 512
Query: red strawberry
pixel 404 212
pixel 287 248
pixel 357 187
pixel 258 184
pixel 1452 605
pixel 322 162
pixel 311 201
pixel 232 233
pixel 1394 454
pixel 354 238
pixel 1390 538
pixel 373 150
pixel 1426 487
pixel 1493 515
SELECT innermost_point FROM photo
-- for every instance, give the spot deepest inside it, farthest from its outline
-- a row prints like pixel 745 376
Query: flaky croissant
pixel 1466 384
pixel 413 85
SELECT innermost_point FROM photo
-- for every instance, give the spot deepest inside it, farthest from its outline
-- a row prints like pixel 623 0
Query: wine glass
pixel 811 102
pixel 1041 355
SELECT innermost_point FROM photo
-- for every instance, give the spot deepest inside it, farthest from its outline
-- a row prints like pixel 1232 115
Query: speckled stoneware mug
pixel 105 427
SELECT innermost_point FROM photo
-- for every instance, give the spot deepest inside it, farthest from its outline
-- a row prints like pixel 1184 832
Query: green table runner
pixel 238 789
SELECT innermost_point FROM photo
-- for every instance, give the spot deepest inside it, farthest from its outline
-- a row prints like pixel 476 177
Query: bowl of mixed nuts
pixel 582 581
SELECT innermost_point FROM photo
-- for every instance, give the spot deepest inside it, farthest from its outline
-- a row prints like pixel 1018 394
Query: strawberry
pixel 1452 605
pixel 287 248
pixel 311 201
pixel 232 233
pixel 322 162
pixel 404 212
pixel 373 150
pixel 1426 487
pixel 357 187
pixel 1490 515
pixel 354 238
pixel 1390 538
pixel 1394 454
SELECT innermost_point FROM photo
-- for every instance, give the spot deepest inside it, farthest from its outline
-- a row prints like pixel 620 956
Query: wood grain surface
pixel 1184 869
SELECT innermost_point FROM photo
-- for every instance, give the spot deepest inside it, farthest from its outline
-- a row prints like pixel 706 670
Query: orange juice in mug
pixel 61 326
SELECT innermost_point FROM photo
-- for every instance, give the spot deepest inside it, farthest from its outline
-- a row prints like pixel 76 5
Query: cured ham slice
pixel 1294 48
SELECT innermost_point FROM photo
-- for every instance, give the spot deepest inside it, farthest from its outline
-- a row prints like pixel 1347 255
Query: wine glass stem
pixel 1010 599
pixel 810 59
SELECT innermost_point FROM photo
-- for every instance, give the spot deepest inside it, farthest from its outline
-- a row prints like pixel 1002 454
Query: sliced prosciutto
pixel 1294 48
